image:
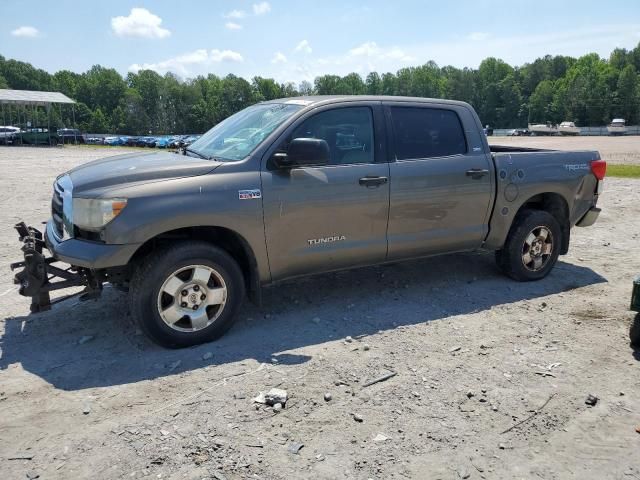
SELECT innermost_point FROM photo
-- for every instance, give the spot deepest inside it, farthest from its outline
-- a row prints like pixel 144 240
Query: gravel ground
pixel 491 375
pixel 625 150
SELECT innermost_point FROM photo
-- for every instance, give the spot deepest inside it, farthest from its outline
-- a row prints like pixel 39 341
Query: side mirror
pixel 304 152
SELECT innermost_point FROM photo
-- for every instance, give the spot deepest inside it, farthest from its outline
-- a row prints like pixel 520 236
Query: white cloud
pixel 366 49
pixel 140 23
pixel 235 14
pixel 233 26
pixel 303 47
pixel 190 63
pixel 478 36
pixel 261 8
pixel 279 57
pixel 372 50
pixel 26 32
pixel 225 56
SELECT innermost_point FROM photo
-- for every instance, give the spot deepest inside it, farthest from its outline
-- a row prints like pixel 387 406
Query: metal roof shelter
pixel 18 101
pixel 28 97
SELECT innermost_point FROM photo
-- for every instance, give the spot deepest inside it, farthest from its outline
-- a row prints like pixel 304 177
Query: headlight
pixel 93 214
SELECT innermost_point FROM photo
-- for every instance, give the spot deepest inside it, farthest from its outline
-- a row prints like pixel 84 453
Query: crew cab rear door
pixel 442 179
pixel 321 218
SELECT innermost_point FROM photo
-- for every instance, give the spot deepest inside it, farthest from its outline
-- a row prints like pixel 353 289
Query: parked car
pixel 142 142
pixel 114 141
pixel 188 234
pixel 162 142
pixel 618 126
pixel 518 132
pixel 70 135
pixel 37 136
pixel 8 134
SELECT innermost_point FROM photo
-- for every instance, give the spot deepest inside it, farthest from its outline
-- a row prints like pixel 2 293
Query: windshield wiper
pixel 189 150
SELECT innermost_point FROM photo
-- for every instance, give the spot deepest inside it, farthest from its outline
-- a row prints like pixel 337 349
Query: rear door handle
pixel 372 181
pixel 477 173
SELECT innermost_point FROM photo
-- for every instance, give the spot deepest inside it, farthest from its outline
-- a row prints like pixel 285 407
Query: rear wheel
pixel 186 294
pixel 532 246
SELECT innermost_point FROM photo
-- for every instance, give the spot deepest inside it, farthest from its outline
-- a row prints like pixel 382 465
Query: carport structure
pixel 20 108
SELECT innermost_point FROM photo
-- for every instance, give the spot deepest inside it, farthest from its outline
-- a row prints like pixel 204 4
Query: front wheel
pixel 186 294
pixel 532 246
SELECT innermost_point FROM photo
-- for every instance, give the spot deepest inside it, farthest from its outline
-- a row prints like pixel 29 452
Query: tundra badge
pixel 334 238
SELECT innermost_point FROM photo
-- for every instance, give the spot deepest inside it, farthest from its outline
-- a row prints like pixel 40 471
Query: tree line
pixel 589 91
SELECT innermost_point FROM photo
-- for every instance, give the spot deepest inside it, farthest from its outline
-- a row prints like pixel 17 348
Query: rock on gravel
pixel 272 397
pixel 591 400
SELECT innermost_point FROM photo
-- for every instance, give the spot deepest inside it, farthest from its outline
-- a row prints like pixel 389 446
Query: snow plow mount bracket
pixel 35 278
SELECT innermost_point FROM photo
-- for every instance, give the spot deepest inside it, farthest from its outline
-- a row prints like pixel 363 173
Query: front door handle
pixel 372 181
pixel 477 173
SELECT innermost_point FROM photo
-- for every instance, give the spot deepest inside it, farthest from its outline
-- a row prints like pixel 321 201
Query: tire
pixel 634 334
pixel 542 253
pixel 167 318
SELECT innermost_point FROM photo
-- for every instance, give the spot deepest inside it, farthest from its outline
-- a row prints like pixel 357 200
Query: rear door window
pixel 427 133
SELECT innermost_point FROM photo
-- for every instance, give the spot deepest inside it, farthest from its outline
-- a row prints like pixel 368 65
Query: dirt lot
pixel 613 149
pixel 84 395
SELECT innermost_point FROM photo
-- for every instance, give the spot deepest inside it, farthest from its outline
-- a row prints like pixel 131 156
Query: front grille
pixel 62 208
pixel 57 210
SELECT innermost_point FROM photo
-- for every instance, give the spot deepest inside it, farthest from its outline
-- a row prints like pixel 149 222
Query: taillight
pixel 599 168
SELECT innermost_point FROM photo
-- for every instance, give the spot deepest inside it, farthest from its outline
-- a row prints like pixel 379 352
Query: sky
pixel 299 40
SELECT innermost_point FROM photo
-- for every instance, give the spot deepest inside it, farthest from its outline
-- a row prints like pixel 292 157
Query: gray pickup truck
pixel 295 187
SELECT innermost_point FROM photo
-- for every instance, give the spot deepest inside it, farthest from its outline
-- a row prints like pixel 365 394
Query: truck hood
pixel 135 168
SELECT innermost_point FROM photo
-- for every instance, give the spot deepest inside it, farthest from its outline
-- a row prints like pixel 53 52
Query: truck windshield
pixel 236 137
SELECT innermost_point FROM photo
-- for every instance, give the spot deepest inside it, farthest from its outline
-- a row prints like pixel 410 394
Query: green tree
pixel 99 122
pixel 541 103
pixel 266 88
pixel 626 105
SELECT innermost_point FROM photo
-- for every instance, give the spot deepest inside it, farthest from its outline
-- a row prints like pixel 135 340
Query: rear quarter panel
pixel 523 175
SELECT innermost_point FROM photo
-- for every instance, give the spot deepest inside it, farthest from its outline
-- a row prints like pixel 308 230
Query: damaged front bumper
pixel 39 277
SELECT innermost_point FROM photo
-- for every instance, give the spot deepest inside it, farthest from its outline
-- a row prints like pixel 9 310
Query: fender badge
pixel 249 194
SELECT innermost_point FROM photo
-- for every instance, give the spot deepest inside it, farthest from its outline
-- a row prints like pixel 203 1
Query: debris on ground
pixel 591 400
pixel 380 438
pixel 272 397
pixel 21 456
pixel 383 378
pixel 464 473
pixel 358 418
pixel 327 397
pixel 535 412
pixel 295 448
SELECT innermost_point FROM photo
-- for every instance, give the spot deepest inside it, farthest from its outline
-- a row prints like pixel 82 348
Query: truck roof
pixel 315 100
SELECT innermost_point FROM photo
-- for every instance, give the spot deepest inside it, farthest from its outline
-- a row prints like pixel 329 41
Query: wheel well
pixel 228 240
pixel 556 205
